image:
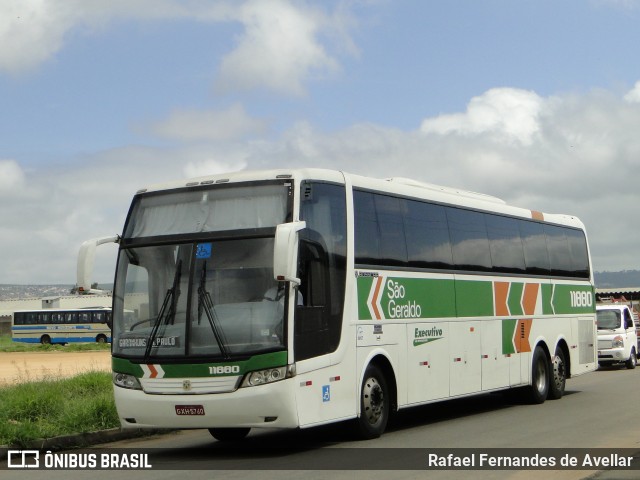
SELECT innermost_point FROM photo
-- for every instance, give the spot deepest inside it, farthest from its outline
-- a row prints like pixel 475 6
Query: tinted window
pixel 469 240
pixel 427 235
pixel 392 231
pixel 579 253
pixel 366 228
pixel 559 253
pixel 536 257
pixel 380 236
pixel 389 211
pixel 507 254
pixel 322 270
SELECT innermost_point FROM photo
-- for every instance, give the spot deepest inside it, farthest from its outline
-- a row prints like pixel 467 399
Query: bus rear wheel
pixel 374 404
pixel 229 434
pixel 539 388
pixel 558 376
pixel 101 339
pixel 45 340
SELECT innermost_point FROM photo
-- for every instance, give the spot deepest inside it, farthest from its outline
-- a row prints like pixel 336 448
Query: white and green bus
pixel 55 325
pixel 296 298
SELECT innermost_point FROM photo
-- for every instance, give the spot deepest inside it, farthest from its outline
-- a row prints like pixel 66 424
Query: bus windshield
pixel 209 291
pixel 217 209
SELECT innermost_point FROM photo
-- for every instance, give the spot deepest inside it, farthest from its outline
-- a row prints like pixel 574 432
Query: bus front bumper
pixel 265 406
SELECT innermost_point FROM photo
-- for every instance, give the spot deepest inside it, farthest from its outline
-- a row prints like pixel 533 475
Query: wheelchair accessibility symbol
pixel 326 393
pixel 203 250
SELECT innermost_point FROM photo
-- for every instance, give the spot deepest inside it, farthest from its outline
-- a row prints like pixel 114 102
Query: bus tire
pixel 229 434
pixel 101 339
pixel 45 340
pixel 374 404
pixel 558 376
pixel 539 388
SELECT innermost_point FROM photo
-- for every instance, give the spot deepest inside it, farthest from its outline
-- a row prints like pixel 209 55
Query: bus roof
pixel 396 185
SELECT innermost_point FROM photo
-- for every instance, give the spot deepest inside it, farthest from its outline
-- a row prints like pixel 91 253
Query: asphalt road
pixel 598 411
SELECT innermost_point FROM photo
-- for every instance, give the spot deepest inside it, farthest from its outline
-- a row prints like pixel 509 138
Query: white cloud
pixel 11 177
pixel 279 49
pixel 633 96
pixel 192 125
pixel 576 154
pixel 31 31
pixel 506 113
pixel 57 209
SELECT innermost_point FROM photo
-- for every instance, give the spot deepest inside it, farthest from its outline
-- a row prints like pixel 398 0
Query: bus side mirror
pixel 86 256
pixel 285 251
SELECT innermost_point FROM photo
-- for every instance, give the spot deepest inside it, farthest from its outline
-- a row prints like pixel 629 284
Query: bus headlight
pixel 126 381
pixel 270 375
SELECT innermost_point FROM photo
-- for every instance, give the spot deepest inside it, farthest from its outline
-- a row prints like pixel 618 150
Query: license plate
pixel 189 410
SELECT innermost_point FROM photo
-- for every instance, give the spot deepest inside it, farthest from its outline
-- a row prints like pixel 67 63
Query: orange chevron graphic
pixel 530 298
pixel 521 336
pixel 374 300
pixel 152 369
pixel 501 294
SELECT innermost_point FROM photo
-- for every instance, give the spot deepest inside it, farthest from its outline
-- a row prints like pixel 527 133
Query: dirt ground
pixel 21 367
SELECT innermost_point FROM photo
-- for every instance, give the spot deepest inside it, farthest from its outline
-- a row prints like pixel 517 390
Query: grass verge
pixel 8 345
pixel 50 408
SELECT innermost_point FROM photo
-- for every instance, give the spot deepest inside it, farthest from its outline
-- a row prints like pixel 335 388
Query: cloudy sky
pixel 536 102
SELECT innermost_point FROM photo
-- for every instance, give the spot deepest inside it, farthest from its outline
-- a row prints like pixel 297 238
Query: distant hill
pixel 14 292
pixel 626 278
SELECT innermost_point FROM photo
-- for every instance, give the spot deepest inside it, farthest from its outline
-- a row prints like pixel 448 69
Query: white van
pixel 617 340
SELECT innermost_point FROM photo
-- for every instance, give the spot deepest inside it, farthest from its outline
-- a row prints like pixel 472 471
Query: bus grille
pixel 189 386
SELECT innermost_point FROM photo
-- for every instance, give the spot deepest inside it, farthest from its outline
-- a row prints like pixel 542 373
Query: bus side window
pixel 311 325
pixel 312 262
pixel 321 269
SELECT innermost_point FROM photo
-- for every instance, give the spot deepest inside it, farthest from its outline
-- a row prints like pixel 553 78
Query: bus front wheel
pixel 45 340
pixel 101 339
pixel 229 434
pixel 374 404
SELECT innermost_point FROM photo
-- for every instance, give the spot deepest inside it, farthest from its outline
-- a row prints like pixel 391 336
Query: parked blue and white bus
pixel 62 325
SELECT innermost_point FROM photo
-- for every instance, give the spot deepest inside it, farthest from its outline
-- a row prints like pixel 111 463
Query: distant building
pixel 628 296
pixel 631 294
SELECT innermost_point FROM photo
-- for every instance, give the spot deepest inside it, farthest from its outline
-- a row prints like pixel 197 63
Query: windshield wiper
pixel 206 303
pixel 167 312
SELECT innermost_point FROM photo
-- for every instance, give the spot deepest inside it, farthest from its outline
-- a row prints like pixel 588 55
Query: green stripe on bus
pixel 364 287
pixel 508 331
pixel 573 299
pixel 474 299
pixel 547 295
pixel 193 370
pixel 515 298
pixel 399 298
